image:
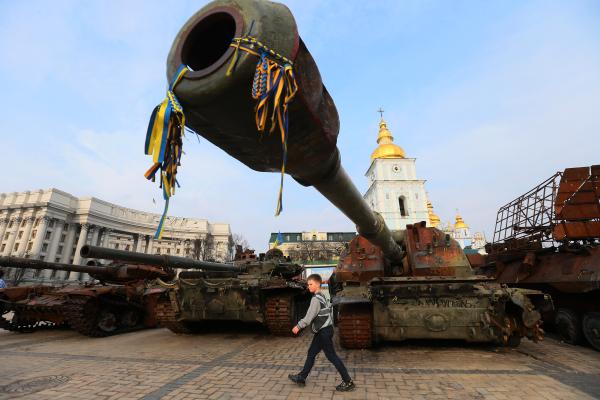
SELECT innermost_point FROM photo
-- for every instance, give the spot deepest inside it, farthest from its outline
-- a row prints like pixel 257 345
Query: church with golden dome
pixel 394 190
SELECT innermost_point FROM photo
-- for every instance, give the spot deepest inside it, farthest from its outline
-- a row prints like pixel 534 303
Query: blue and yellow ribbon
pixel 164 143
pixel 274 87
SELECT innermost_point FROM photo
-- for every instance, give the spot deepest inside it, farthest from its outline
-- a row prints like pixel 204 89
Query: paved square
pixel 157 364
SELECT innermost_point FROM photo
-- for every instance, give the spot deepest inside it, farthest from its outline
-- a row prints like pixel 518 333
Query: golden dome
pixel 434 220
pixel 386 148
pixel 460 224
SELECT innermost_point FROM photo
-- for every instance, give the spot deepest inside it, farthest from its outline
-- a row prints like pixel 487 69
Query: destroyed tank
pixel 120 302
pixel 417 284
pixel 549 239
pixel 264 289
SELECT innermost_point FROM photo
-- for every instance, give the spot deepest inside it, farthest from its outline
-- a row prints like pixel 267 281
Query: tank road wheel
pixel 568 325
pixel 279 315
pixel 355 326
pixel 591 328
pixel 86 316
pixel 165 317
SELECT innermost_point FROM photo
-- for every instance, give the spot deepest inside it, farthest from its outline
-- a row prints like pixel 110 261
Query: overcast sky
pixel 491 98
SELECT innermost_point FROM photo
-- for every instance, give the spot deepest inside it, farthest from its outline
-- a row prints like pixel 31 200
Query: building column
pixel 137 243
pixel 80 242
pixel 56 234
pixel 13 235
pixel 25 239
pixel 3 225
pixel 105 236
pixel 95 230
pixel 149 247
pixel 39 237
pixel 68 248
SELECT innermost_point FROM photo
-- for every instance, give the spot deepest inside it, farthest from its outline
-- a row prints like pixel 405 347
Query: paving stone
pixel 157 364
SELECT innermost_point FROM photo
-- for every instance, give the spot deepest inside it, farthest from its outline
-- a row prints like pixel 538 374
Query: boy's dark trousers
pixel 323 340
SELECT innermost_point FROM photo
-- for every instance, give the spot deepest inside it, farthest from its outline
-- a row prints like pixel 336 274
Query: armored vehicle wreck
pixel 121 302
pixel 417 284
pixel 549 239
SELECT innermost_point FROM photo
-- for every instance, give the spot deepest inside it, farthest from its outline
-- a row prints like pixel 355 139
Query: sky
pixel 491 98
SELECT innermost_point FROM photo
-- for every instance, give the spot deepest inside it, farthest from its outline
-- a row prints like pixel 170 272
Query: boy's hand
pixel 295 330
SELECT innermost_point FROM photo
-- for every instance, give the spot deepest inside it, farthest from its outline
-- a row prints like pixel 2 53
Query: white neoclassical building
pixel 52 225
pixel 394 190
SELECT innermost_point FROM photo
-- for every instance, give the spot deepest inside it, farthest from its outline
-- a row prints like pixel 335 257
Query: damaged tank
pixel 120 302
pixel 265 289
pixel 549 239
pixel 416 284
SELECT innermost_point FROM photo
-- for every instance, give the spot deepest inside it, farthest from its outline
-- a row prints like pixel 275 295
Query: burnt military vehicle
pixel 264 289
pixel 120 302
pixel 415 284
pixel 549 239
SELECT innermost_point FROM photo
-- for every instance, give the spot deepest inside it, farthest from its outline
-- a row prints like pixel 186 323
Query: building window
pixel 37 222
pixel 45 247
pixel 20 235
pixel 16 247
pixel 48 234
pixel 29 245
pixel 10 224
pixel 127 247
pixel 314 237
pixel 33 234
pixel 187 252
pixel 6 236
pixel 23 222
pixel 402 206
pixel 2 249
pixel 60 249
pixel 73 253
pixel 178 251
pixel 51 223
pixel 62 238
pixel 57 259
pixel 168 251
pixel 116 245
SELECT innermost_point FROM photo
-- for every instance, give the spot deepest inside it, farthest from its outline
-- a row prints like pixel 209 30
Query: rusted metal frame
pixel 529 214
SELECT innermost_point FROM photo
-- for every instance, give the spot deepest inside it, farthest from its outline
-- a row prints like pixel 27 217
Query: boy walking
pixel 320 317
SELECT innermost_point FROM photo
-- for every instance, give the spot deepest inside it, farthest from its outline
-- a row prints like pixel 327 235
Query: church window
pixel 402 206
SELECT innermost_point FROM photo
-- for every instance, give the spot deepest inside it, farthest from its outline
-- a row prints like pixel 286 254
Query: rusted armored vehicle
pixel 549 239
pixel 120 302
pixel 267 289
pixel 417 284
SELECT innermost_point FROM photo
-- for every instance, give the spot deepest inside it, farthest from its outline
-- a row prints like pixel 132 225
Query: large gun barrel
pixel 215 96
pixel 106 273
pixel 164 261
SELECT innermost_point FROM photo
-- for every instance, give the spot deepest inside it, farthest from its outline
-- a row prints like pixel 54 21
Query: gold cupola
pixel 434 220
pixel 386 148
pixel 460 223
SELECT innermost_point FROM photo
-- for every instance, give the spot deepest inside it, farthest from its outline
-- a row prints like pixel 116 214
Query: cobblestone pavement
pixel 157 364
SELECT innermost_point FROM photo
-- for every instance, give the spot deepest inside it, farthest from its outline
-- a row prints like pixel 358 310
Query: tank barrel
pixel 164 261
pixel 28 263
pixel 214 94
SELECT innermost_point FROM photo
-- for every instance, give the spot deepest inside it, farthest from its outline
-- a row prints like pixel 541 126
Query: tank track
pixel 279 315
pixel 166 317
pixel 26 319
pixel 355 327
pixel 82 315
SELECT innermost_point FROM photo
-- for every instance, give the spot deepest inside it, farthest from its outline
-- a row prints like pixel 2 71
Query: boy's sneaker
pixel 297 379
pixel 345 386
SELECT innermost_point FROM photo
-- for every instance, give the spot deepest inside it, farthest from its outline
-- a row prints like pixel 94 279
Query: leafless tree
pixel 203 247
pixel 237 239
